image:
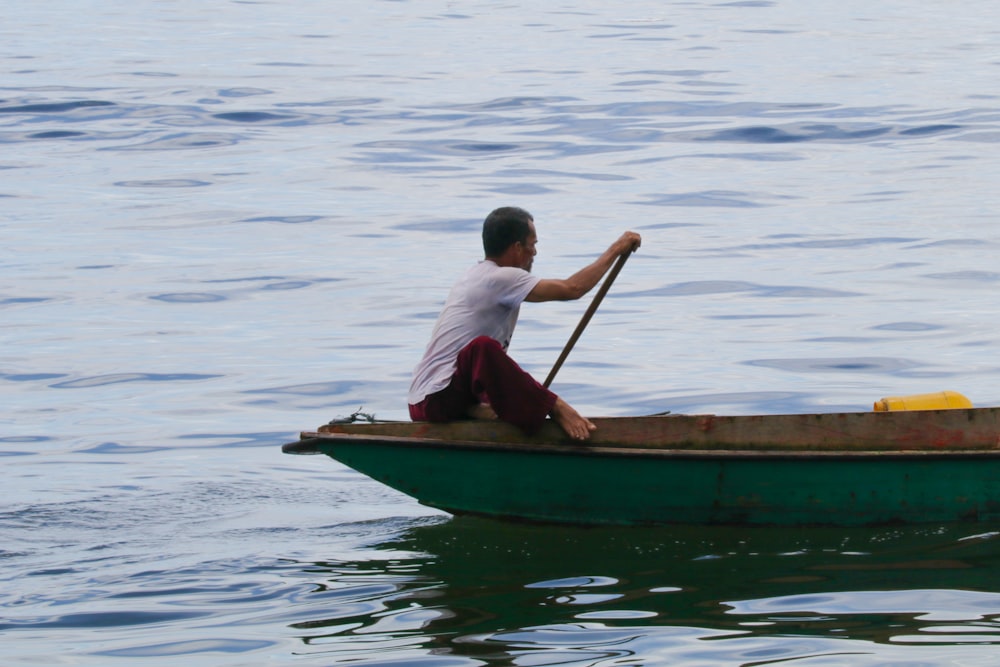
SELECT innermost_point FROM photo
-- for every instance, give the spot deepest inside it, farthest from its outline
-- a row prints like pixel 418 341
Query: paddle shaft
pixel 615 270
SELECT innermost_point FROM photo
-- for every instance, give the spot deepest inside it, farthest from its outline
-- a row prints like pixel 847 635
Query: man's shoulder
pixel 489 270
pixel 509 285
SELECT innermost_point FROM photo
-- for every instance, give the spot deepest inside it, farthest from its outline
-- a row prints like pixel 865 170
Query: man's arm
pixel 584 280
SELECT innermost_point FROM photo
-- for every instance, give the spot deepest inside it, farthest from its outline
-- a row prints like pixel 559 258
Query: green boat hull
pixel 639 476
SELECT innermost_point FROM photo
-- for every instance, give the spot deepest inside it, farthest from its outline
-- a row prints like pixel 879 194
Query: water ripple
pixel 700 287
pixel 825 243
pixel 164 183
pixel 775 135
pixel 189 647
pixel 57 134
pixel 14 300
pixel 257 285
pixel 244 91
pixel 286 219
pixel 972 276
pixel 723 198
pixel 30 377
pixel 53 107
pixel 908 326
pixel 182 141
pixel 885 365
pixel 122 618
pixel 189 297
pixel 925 604
pixel 118 378
pixel 313 389
pixel 257 117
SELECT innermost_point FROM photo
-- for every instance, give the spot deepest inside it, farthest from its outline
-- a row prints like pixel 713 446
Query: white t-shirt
pixel 485 302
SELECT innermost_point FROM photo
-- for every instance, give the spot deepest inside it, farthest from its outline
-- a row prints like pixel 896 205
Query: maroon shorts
pixel 486 374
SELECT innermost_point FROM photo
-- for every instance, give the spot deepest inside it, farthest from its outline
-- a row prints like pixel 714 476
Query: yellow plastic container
pixel 939 400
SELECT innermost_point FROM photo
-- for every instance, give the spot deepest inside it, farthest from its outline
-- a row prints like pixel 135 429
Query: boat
pixel 843 469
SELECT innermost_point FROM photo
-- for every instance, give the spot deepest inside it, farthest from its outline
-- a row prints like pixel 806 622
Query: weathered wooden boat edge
pixel 949 429
pixel 311 442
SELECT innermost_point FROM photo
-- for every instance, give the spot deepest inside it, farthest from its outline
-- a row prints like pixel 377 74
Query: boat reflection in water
pixel 472 591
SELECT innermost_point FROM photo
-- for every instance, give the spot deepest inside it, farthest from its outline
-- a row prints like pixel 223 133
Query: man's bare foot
pixel 481 411
pixel 575 425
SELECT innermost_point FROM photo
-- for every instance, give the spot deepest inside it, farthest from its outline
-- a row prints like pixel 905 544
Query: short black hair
pixel 504 227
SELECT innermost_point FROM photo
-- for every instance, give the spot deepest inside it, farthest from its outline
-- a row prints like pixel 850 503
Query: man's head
pixel 509 236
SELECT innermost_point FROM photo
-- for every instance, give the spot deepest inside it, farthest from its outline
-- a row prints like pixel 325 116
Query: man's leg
pixel 485 374
pixel 490 375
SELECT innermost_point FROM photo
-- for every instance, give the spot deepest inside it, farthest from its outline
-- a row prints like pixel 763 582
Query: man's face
pixel 528 250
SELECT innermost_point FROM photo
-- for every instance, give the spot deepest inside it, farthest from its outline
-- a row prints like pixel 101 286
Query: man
pixel 465 371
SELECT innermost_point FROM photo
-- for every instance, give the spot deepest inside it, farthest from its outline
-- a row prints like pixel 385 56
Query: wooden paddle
pixel 615 270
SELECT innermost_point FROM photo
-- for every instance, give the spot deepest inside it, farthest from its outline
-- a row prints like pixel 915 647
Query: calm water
pixel 225 223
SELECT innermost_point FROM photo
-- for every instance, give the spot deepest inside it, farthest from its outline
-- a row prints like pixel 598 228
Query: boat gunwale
pixel 310 442
pixel 945 431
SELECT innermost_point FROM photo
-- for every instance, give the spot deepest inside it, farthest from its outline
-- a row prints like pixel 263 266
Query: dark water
pixel 469 592
pixel 223 224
